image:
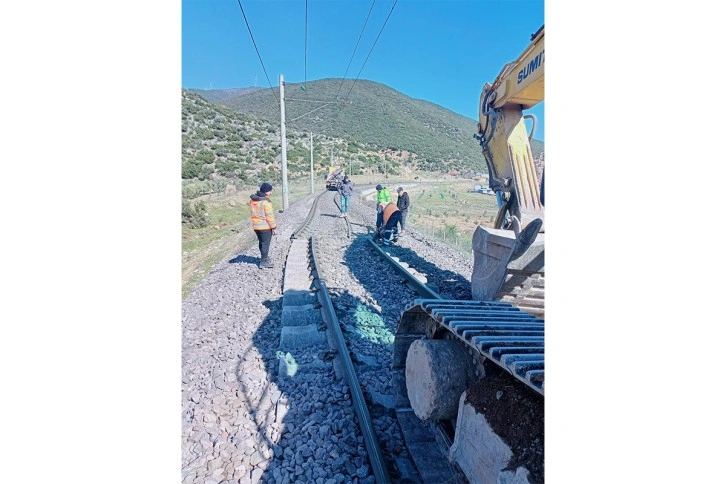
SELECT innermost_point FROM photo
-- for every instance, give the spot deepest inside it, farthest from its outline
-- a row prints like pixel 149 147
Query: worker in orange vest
pixel 263 222
pixel 391 216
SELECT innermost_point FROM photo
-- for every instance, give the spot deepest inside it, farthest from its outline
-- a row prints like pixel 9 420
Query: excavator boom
pixel 448 351
pixel 504 139
pixel 522 82
pixel 502 134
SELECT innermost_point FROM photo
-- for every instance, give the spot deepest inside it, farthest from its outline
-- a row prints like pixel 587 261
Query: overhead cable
pixel 366 60
pixel 258 52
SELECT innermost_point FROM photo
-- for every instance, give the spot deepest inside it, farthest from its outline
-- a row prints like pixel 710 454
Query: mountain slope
pixel 220 95
pixel 373 129
pixel 372 113
pixel 221 147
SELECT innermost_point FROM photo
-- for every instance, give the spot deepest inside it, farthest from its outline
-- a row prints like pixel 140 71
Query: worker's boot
pixel 266 263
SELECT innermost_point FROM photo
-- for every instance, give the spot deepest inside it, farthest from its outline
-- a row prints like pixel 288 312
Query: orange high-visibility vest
pixel 263 215
pixel 388 211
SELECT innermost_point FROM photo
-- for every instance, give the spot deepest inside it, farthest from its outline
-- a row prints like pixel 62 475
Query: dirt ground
pixel 517 416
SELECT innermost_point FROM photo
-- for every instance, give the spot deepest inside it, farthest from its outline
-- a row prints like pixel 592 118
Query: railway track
pixel 313 394
pixel 430 463
pixel 340 348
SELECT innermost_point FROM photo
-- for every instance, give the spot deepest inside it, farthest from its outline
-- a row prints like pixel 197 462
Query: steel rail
pixel 364 419
pixel 470 321
pixel 420 287
pixel 308 220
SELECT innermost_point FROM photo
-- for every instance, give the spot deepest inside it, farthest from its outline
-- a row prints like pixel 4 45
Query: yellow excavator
pixel 504 139
pixel 509 260
pixel 449 354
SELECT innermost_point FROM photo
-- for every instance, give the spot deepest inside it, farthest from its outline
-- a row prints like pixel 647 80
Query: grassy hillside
pixel 232 136
pixel 221 147
pixel 218 95
pixel 376 115
pixel 381 136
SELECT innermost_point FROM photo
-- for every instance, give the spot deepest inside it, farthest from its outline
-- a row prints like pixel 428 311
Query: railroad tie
pixel 301 320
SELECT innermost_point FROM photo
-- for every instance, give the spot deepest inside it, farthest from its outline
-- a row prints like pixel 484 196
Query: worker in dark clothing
pixel 263 222
pixel 402 203
pixel 391 217
pixel 346 190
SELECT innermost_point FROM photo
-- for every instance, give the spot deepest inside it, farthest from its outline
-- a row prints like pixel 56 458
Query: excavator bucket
pixel 509 267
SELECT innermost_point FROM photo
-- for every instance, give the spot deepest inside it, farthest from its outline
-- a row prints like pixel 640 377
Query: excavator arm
pixel 522 82
pixel 510 263
pixel 446 350
pixel 504 139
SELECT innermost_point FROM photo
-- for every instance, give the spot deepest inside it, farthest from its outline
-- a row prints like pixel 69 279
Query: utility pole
pixel 283 143
pixel 312 184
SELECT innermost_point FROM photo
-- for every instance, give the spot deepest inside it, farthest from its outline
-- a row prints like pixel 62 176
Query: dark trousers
pixel 265 237
pixel 391 226
pixel 404 214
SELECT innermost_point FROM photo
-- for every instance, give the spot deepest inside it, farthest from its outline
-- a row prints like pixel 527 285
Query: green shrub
pixel 268 174
pixel 207 113
pixel 196 216
pixel 451 232
pixel 190 170
pixel 203 157
pixel 226 166
pixel 205 173
pixel 205 133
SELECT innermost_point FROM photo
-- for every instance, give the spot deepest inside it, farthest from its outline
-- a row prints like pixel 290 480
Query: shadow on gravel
pixel 245 259
pixel 370 343
pixel 260 398
pixel 448 284
pixel 301 425
pixel 354 224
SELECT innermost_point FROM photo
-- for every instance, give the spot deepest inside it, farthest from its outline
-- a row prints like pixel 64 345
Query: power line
pixel 355 48
pixel 364 63
pixel 371 51
pixel 349 62
pixel 305 82
pixel 258 52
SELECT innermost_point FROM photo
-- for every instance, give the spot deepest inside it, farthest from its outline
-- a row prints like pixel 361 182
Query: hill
pixel 233 135
pixel 374 114
pixel 220 95
pixel 222 147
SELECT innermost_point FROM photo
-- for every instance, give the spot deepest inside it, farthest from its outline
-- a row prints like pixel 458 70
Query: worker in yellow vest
pixel 382 197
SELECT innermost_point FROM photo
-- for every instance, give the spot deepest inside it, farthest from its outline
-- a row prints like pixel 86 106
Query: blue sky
pixel 442 51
